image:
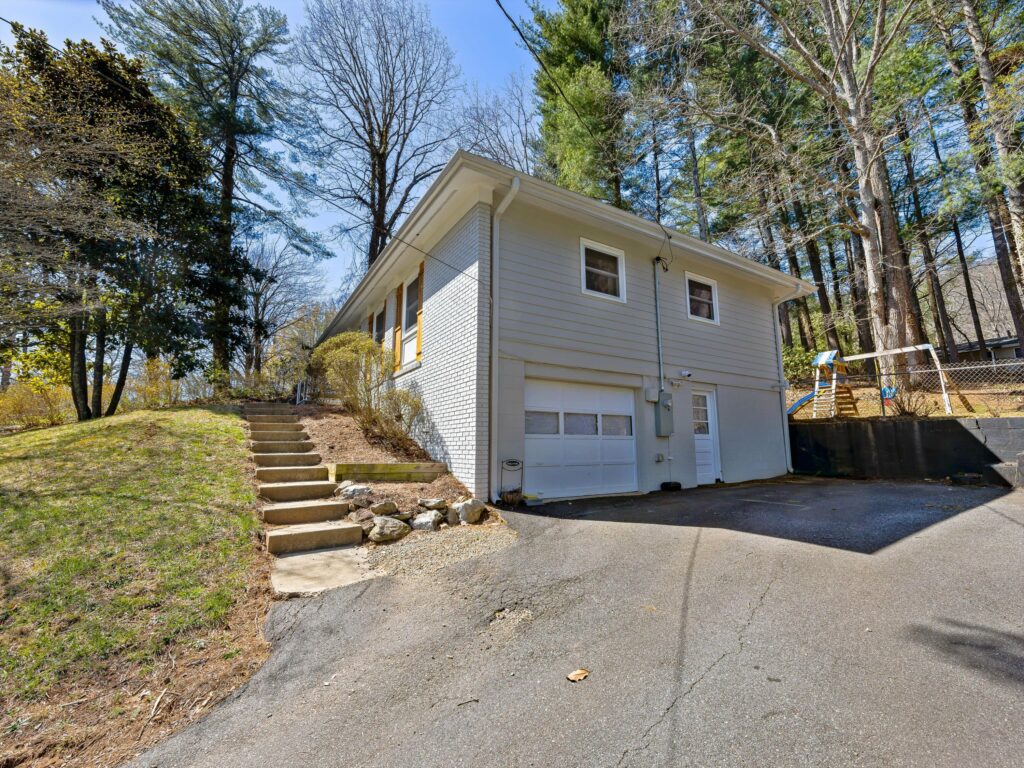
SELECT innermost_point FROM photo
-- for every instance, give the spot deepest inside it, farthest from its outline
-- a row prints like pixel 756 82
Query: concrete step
pixel 275 426
pixel 290 474
pixel 316 489
pixel 279 446
pixel 286 459
pixel 258 409
pixel 295 512
pixel 272 418
pixel 1004 474
pixel 277 437
pixel 308 536
pixel 261 412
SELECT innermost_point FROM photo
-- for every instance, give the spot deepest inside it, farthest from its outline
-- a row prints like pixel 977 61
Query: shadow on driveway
pixel 994 652
pixel 856 515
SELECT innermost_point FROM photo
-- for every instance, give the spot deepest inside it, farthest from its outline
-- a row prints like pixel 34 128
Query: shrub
pixel 797 363
pixel 359 372
pixel 27 404
pixel 156 387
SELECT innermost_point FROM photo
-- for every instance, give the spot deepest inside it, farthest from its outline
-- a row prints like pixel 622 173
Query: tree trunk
pixel 814 260
pixel 837 295
pixel 221 330
pixel 122 377
pixel 1000 123
pixel 698 195
pixel 98 362
pixel 972 303
pixel 5 376
pixel 768 242
pixel 942 326
pixel 858 295
pixel 803 315
pixel 1003 242
pixel 79 378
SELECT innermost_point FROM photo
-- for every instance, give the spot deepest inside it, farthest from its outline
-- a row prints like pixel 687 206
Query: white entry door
pixel 705 436
pixel 580 440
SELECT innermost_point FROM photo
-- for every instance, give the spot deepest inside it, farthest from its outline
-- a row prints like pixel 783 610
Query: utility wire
pixel 547 72
pixel 52 47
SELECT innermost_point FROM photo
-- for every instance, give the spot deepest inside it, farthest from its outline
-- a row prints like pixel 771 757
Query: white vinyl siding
pixel 541 304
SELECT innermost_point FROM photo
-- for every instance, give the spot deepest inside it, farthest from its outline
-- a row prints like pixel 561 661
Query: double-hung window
pixel 701 298
pixel 412 296
pixel 378 326
pixel 603 270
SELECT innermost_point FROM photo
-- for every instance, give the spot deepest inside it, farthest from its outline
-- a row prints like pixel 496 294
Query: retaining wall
pixel 905 448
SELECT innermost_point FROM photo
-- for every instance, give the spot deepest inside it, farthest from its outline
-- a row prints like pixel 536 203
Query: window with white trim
pixel 603 270
pixel 410 318
pixel 701 298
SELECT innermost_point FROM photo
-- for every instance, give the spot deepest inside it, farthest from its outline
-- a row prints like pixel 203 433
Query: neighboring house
pixel 1003 348
pixel 524 316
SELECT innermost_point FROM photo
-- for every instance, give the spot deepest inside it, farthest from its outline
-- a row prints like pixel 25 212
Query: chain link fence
pixel 994 389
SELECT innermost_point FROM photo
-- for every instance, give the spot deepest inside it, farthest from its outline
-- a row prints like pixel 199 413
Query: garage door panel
pixel 582 451
pixel 545 450
pixel 585 458
pixel 618 451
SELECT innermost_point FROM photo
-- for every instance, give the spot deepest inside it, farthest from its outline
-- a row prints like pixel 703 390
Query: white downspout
pixel 783 383
pixel 494 480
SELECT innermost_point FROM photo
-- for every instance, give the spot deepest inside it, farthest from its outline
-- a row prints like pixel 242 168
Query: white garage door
pixel 580 440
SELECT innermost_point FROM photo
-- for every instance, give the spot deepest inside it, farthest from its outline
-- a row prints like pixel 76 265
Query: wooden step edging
pixel 300 491
pixel 297 512
pixel 310 536
pixel 387 473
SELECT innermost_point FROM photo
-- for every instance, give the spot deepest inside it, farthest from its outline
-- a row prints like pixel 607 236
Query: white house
pixel 530 320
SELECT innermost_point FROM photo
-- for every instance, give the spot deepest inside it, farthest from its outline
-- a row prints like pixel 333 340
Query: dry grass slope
pixel 133 589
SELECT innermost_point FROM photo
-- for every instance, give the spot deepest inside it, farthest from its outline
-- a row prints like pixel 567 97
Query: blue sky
pixel 484 44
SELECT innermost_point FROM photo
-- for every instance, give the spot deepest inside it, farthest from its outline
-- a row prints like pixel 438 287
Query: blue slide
pixel 800 404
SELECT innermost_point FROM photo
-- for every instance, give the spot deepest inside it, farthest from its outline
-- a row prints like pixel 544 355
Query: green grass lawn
pixel 117 538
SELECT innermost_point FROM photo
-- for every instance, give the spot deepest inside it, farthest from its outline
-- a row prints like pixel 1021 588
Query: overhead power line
pixel 55 49
pixel 547 72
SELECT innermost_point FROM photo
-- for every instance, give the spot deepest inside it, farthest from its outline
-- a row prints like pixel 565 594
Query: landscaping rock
pixel 349 490
pixel 427 521
pixel 387 529
pixel 362 502
pixel 384 508
pixel 469 511
pixel 433 503
pixel 364 518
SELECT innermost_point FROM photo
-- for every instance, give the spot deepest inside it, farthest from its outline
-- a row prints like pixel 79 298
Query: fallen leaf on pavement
pixel 579 674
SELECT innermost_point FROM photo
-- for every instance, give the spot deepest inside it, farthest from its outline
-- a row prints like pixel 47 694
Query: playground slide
pixel 795 407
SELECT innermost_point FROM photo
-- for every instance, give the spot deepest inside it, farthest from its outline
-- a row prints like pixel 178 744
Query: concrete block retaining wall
pixel 904 448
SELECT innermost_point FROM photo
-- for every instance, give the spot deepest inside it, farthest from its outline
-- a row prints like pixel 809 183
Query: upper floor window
pixel 701 298
pixel 603 270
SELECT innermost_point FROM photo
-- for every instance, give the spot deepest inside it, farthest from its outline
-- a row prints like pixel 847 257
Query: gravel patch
pixel 423 553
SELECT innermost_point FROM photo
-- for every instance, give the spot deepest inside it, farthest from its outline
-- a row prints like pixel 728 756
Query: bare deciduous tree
pixel 278 295
pixel 381 83
pixel 504 125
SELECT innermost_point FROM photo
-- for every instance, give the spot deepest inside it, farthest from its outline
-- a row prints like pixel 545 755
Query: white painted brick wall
pixel 453 374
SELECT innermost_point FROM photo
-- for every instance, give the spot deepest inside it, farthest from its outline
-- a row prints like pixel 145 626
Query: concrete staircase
pixel 303 514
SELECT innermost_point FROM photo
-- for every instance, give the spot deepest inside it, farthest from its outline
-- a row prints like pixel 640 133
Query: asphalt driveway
pixel 814 623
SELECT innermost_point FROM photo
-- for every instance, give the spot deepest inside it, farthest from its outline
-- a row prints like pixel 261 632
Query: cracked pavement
pixel 801 623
